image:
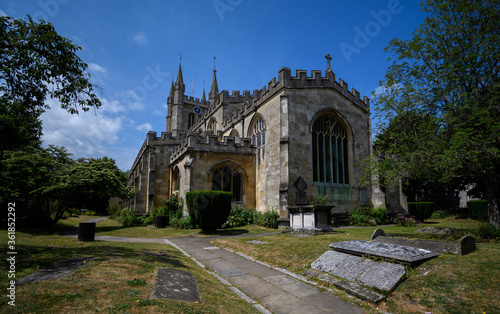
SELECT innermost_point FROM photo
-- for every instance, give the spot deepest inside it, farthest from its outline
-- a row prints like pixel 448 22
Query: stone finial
pixel 328 59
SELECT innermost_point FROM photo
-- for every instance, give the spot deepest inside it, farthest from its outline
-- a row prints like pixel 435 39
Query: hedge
pixel 478 209
pixel 209 209
pixel 421 210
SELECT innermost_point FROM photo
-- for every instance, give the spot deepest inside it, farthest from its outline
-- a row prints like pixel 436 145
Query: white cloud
pixel 140 38
pixel 145 127
pixel 83 135
pixel 158 113
pixel 111 106
pixel 97 69
pixel 2 13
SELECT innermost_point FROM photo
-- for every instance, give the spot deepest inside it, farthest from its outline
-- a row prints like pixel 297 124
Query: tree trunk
pixel 493 195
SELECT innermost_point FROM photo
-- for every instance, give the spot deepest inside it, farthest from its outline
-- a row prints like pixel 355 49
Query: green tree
pixel 37 63
pixel 440 108
pixel 45 182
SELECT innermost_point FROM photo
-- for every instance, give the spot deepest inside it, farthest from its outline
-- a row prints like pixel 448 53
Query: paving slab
pixel 255 286
pixel 399 253
pixel 322 301
pixel 175 284
pixel 284 303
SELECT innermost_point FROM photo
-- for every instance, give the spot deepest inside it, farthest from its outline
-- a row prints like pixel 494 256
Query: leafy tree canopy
pixel 36 63
pixel 440 105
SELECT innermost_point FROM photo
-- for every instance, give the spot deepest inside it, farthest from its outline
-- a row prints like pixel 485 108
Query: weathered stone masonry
pixel 259 144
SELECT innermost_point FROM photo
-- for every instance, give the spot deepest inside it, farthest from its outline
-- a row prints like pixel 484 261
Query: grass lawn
pixel 119 280
pixel 450 283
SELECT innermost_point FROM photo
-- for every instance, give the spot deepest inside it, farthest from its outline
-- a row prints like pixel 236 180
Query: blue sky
pixel 132 47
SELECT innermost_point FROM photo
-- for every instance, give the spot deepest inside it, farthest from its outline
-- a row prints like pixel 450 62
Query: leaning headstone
pixel 466 245
pixel 175 284
pixel 377 233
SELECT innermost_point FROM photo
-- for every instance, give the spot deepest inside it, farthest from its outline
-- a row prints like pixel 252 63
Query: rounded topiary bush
pixel 209 209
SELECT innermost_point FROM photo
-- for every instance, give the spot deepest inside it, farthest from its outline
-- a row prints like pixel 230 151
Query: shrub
pixel 405 220
pixel 128 218
pixel 421 210
pixel 185 223
pixel 486 231
pixel 361 216
pixel 380 215
pixel 366 216
pixel 478 210
pixel 238 217
pixel 209 209
pixel 268 219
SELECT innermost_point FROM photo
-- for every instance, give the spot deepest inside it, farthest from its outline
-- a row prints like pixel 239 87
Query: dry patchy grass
pixel 119 280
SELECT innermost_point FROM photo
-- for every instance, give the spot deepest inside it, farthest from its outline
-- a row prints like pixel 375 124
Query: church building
pixel 295 140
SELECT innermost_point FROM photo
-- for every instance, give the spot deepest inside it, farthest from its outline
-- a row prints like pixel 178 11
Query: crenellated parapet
pixel 250 102
pixel 211 143
pixel 166 138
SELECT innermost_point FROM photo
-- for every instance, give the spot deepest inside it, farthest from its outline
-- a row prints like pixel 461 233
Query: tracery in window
pixel 228 179
pixel 329 150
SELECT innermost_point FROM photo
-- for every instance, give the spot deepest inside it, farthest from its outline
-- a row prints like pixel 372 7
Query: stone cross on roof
pixel 328 59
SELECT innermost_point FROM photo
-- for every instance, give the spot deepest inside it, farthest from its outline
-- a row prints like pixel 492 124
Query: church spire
pixel 214 90
pixel 171 93
pixel 179 82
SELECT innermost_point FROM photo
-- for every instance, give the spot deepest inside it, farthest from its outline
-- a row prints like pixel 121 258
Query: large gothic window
pixel 329 150
pixel 229 180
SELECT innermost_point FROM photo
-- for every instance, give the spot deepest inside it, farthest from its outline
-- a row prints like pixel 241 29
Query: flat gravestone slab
pixel 383 276
pixel 328 261
pixel 359 270
pixel 175 284
pixel 399 253
pixel 352 267
pixel 58 270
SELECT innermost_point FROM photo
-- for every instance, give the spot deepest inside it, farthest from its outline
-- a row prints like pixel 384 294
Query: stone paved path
pixel 277 291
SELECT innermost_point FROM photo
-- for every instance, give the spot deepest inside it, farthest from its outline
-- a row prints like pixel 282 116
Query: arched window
pixel 228 179
pixel 329 150
pixel 258 131
pixel 212 127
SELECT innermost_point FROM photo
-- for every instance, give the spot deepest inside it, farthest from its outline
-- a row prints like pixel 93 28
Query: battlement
pixel 195 142
pixel 251 101
pixel 166 138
